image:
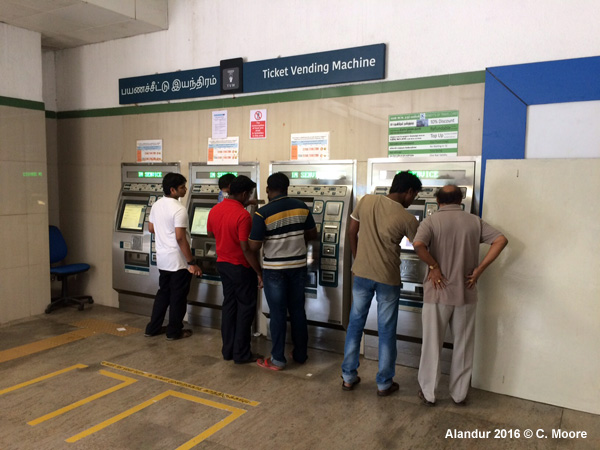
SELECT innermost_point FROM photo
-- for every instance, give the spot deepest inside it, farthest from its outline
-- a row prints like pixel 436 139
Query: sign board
pixel 258 124
pixel 223 151
pixel 309 146
pixel 170 86
pixel 149 150
pixel 315 69
pixel 430 134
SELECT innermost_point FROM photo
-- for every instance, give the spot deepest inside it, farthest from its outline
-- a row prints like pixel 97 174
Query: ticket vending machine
pixel 135 275
pixel 327 188
pixel 206 292
pixel 434 173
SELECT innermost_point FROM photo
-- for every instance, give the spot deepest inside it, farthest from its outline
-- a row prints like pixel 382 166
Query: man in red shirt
pixel 229 223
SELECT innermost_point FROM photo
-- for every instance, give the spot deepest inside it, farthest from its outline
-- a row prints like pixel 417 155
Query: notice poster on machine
pixel 258 124
pixel 305 146
pixel 149 150
pixel 423 134
pixel 223 151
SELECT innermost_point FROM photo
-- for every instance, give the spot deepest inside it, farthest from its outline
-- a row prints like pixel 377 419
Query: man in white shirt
pixel 176 264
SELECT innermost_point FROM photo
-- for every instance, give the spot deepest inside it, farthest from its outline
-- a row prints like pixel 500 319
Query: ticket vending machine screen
pixel 199 220
pixel 405 244
pixel 132 215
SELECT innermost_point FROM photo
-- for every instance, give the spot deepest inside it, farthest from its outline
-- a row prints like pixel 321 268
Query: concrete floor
pixel 133 392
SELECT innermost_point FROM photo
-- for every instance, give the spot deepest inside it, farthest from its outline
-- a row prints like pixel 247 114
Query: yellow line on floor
pixel 42 378
pixel 235 413
pixel 126 381
pixel 44 344
pixel 181 384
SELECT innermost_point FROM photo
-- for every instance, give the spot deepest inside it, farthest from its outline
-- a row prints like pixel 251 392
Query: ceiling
pixel 71 23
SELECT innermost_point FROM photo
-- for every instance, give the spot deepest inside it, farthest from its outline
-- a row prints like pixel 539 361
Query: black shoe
pixel 393 388
pixel 423 399
pixel 252 359
pixel 182 335
pixel 350 386
pixel 162 330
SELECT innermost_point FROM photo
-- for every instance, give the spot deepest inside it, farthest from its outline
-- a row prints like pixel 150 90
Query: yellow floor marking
pixel 103 326
pixel 126 381
pixel 44 344
pixel 42 378
pixel 235 413
pixel 181 384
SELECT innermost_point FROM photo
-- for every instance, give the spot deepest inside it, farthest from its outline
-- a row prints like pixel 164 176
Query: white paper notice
pixel 219 124
pixel 223 151
pixel 149 150
pixel 306 146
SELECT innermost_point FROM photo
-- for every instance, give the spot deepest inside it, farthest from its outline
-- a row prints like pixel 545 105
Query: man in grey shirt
pixel 448 242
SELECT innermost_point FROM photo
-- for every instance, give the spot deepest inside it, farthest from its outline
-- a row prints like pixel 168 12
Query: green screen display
pixel 304 175
pixel 150 174
pixel 428 174
pixel 220 174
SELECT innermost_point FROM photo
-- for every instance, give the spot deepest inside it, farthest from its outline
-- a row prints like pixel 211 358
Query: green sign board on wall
pixel 425 134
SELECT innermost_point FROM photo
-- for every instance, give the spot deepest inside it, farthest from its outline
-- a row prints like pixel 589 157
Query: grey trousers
pixel 436 318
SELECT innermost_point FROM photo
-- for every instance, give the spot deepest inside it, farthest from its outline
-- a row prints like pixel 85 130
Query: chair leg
pixel 66 300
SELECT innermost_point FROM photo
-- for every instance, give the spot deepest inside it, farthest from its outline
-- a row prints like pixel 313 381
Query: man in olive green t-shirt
pixel 382 221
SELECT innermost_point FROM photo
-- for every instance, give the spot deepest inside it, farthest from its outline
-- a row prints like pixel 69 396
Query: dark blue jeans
pixel 284 290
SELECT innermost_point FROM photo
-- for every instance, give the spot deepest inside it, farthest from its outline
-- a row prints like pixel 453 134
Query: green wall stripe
pixel 292 96
pixel 19 103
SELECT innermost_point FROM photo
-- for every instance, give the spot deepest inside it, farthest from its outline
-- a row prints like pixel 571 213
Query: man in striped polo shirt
pixel 283 226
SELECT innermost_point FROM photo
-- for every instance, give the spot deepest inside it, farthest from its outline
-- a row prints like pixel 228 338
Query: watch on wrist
pixel 435 266
pixel 192 262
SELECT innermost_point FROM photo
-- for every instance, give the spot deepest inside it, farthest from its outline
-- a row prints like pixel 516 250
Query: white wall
pixel 20 63
pixel 563 130
pixel 537 328
pixel 25 262
pixel 425 38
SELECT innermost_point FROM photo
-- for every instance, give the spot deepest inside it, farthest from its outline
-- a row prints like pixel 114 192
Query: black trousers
pixel 173 288
pixel 240 291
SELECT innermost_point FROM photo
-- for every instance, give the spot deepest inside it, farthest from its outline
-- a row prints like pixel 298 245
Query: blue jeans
pixel 284 291
pixel 387 318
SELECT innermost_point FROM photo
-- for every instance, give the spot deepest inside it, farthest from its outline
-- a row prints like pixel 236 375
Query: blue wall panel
pixel 509 90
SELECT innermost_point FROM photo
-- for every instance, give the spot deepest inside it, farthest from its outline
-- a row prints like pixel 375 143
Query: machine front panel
pixel 327 188
pixel 135 275
pixel 206 292
pixel 433 173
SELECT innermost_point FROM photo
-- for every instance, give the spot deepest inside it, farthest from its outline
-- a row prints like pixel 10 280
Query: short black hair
pixel 172 180
pixel 225 180
pixel 241 184
pixel 278 182
pixel 404 181
pixel 449 194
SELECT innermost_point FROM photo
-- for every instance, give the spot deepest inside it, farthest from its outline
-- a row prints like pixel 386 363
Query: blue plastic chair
pixel 58 252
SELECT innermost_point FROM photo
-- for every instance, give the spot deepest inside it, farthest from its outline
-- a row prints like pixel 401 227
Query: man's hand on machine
pixel 260 281
pixel 195 270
